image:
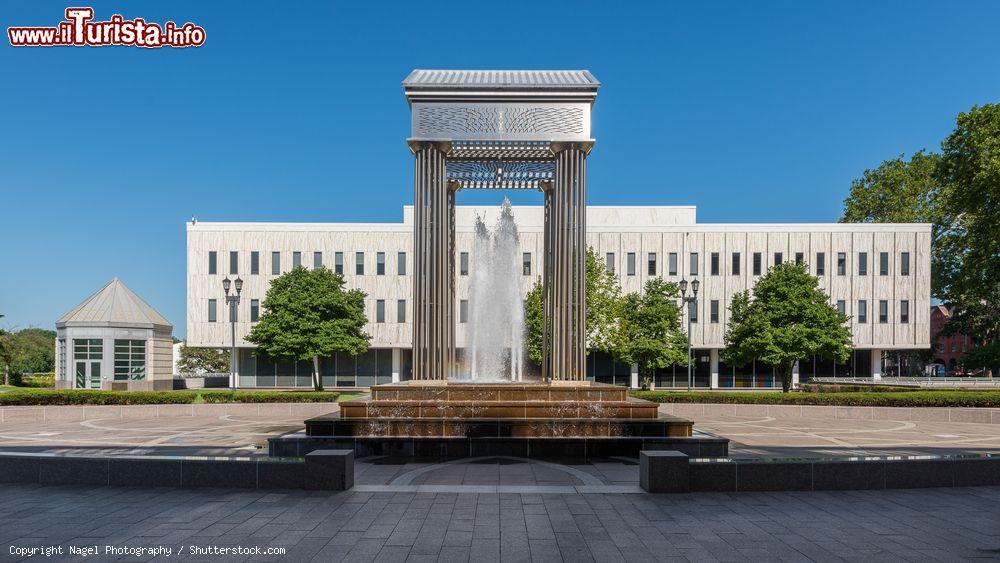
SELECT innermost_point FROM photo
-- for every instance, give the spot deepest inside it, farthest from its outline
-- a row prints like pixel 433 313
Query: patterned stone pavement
pixel 900 525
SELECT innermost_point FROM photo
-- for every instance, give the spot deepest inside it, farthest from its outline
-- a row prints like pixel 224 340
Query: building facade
pixel 948 350
pixel 878 274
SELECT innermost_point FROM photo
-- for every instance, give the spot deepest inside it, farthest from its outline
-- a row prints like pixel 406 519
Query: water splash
pixel 495 331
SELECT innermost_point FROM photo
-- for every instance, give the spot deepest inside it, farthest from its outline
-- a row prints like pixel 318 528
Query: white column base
pixel 635 376
pixel 795 375
pixel 713 356
pixel 395 365
pixel 876 364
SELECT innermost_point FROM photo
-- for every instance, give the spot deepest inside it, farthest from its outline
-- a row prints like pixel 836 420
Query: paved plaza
pixel 900 525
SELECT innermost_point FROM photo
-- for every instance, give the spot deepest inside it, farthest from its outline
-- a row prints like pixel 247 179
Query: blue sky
pixel 293 111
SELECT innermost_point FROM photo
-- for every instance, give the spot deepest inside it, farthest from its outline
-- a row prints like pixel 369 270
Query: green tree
pixel 309 315
pixel 784 319
pixel 986 356
pixel 650 330
pixel 604 304
pixel 897 191
pixel 34 351
pixel 967 263
pixel 7 355
pixel 203 360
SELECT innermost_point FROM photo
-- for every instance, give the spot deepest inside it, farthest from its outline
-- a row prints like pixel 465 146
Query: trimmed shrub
pixel 920 398
pixel 37 397
pixel 39 380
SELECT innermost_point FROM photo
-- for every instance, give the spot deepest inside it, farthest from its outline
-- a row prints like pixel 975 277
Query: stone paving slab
pixel 907 525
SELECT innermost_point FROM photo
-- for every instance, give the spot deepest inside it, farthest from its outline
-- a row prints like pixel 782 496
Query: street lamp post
pixel 686 301
pixel 233 302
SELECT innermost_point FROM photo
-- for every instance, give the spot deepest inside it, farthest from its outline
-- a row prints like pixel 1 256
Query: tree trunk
pixel 6 374
pixel 317 378
pixel 786 376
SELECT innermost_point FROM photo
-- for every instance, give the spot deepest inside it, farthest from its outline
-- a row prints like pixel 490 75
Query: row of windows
pixel 317 262
pixel 463 263
pixel 757 263
pixel 213 311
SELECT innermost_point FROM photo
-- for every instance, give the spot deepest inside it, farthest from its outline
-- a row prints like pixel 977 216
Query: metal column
pixel 433 269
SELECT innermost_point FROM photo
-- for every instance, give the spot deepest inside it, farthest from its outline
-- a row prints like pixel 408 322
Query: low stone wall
pixel 907 414
pixel 674 472
pixel 331 470
pixel 72 413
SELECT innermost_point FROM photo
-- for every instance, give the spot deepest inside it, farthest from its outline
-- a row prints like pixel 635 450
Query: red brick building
pixel 947 350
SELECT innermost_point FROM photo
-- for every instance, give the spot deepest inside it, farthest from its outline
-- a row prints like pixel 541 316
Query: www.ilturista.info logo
pixel 78 30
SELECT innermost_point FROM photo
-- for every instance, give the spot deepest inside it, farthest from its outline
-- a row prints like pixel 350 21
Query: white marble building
pixel 878 273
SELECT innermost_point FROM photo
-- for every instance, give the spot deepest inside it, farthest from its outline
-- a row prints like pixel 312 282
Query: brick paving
pixel 901 525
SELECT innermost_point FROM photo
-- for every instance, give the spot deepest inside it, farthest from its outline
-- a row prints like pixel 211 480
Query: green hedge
pixel 39 380
pixel 848 399
pixel 34 397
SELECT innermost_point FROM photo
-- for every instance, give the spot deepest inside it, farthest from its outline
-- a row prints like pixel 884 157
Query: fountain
pixel 495 332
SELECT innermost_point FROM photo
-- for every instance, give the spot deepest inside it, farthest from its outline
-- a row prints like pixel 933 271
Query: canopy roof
pixel 502 79
pixel 114 305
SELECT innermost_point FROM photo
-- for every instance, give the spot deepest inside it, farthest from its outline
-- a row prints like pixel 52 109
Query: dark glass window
pixel 526 264
pixel 820 263
pixel 693 311
pixel 380 263
pixel 254 263
pixel 234 262
pixel 401 311
pixel 862 263
pixel 401 263
pixel 842 307
pixel 275 263
pixel 359 263
pixel 883 263
pixel 778 258
pixel 757 259
pixel 694 264
pixel 338 262
pixel 463 311
pixel 862 311
pixel 713 264
pixel 736 263
pixel 463 263
pixel 380 310
pixel 317 260
pixel 799 258
pixel 212 262
pixel 254 310
pixel 904 311
pixel 883 311
pixel 841 263
pixel 296 259
pixel 672 264
pixel 651 264
pixel 609 262
pixel 213 310
pixel 904 264
pixel 714 311
pixel 630 264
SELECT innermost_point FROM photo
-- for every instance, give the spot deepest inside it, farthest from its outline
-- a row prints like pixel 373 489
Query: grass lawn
pixel 11 396
pixel 879 398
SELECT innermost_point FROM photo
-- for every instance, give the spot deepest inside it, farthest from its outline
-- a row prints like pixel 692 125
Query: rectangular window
pixel 693 311
pixel 820 263
pixel 714 264
pixel 380 310
pixel 904 264
pixel 883 311
pixel 463 263
pixel 401 263
pixel 862 311
pixel 234 262
pixel 904 311
pixel 672 264
pixel 463 311
pixel 630 264
pixel 778 258
pixel 841 263
pixel 526 264
pixel 359 263
pixel 380 263
pixel 799 257
pixel 714 311
pixel 275 263
pixel 736 263
pixel 296 260
pixel 317 260
pixel 842 307
pixel 694 263
pixel 254 310
pixel 254 263
pixel 213 310
pixel 651 264
pixel 883 263
pixel 862 263
pixel 400 310
pixel 88 349
pixel 338 262
pixel 757 259
pixel 130 360
pixel 212 262
pixel 609 262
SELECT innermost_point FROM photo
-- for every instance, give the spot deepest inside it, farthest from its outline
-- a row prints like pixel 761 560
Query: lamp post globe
pixel 225 284
pixel 239 286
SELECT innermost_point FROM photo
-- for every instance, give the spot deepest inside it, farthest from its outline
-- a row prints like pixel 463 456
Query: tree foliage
pixel 785 318
pixel 203 360
pixel 958 192
pixel 650 329
pixel 30 350
pixel 308 314
pixel 604 303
